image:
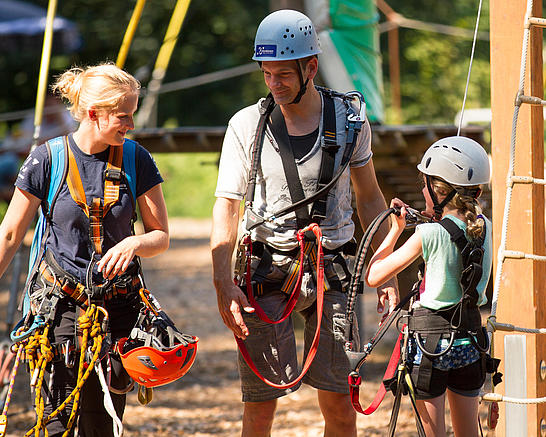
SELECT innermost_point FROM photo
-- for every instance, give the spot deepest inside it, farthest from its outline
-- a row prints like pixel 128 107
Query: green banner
pixel 351 58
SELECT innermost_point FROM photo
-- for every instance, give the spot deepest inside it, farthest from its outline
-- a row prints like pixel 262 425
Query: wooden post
pixel 522 292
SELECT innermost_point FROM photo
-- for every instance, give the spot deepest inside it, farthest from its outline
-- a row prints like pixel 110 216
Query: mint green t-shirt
pixel 444 265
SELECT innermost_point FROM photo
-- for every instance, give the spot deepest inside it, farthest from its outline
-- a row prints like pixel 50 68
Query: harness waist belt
pixel 69 285
pixel 426 321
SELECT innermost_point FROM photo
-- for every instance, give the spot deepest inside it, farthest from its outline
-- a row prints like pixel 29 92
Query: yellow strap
pixel 74 182
pixel 3 424
pixel 145 395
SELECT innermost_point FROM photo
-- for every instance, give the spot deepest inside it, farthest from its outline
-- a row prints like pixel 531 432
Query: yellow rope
pixel 90 324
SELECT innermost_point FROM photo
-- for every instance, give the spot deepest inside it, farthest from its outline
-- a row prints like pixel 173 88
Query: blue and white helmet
pixel 285 35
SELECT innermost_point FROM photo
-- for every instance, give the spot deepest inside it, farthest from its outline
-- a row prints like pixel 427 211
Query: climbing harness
pixel 462 320
pixel 315 229
pixel 47 283
pixel 354 123
pixel 254 259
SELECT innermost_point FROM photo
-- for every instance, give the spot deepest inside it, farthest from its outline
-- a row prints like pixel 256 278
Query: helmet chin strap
pixel 303 85
pixel 438 206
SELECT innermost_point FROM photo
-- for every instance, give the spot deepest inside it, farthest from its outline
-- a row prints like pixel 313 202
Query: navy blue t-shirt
pixel 68 238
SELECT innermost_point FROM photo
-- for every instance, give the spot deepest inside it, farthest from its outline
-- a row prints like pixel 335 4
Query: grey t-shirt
pixel 272 192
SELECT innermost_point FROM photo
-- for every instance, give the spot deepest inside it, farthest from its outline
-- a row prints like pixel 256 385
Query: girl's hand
pixel 398 221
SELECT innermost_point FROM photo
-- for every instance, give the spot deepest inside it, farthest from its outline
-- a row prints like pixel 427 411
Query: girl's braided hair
pixel 466 205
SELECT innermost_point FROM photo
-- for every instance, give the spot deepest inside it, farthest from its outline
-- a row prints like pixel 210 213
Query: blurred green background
pixel 219 35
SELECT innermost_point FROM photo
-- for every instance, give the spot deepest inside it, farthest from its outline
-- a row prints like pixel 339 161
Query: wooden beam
pixel 522 292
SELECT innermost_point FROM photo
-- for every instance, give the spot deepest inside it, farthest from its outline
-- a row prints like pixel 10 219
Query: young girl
pixel 453 171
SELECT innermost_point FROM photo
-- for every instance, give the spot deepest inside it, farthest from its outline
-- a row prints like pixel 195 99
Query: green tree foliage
pixel 434 67
pixel 214 36
pixel 218 35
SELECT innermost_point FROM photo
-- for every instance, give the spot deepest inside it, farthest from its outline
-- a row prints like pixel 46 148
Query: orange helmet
pixel 156 353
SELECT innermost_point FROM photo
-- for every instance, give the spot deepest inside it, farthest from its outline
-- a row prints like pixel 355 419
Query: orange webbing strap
pixel 292 300
pixel 74 182
pixel 320 303
pixel 99 207
pixel 113 177
pixel 293 279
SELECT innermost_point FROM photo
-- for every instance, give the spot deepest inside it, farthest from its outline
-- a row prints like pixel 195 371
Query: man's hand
pixel 230 300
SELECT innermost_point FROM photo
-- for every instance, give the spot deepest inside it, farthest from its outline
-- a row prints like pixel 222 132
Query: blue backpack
pixel 57 150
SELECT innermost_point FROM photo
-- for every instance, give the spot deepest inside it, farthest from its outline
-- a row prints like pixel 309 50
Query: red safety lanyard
pixel 320 304
pixel 355 380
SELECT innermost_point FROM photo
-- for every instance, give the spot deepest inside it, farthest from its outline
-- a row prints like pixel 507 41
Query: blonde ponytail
pixel 102 87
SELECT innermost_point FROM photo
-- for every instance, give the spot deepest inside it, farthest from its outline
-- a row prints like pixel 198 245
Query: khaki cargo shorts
pixel 273 349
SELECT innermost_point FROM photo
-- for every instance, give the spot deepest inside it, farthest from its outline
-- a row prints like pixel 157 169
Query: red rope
pixel 293 299
pixel 355 380
pixel 320 303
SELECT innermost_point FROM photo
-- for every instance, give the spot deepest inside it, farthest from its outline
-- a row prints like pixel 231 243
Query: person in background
pixel 15 147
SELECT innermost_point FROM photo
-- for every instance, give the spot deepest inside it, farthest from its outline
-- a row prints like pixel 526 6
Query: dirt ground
pixel 206 401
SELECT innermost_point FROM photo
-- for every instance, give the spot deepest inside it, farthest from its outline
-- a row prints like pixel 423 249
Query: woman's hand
pixel 117 259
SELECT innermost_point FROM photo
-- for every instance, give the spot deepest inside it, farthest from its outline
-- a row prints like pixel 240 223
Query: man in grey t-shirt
pixel 286 47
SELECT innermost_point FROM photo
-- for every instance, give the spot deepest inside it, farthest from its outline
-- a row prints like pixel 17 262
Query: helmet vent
pixel 456 150
pixel 459 167
pixel 428 162
pixel 470 173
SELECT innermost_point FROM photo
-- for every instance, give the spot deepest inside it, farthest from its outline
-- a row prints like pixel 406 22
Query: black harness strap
pixel 472 256
pixel 278 128
pixel 329 150
pixel 265 110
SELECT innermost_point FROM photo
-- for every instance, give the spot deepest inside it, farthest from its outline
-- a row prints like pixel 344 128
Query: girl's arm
pixel 386 262
pixel 21 211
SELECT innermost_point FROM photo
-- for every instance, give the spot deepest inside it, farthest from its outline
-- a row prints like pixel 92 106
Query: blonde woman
pixel 98 256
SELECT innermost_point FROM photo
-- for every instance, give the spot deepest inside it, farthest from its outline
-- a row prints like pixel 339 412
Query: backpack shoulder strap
pixel 57 150
pixel 129 165
pixel 456 233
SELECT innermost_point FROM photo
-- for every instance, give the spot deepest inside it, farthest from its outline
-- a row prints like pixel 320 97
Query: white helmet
pixel 285 35
pixel 457 160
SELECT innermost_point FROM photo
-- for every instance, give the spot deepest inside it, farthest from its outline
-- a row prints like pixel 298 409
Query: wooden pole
pixel 394 58
pixel 522 292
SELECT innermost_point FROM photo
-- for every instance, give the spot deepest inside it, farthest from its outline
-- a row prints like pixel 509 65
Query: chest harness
pixel 31 334
pixel 254 259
